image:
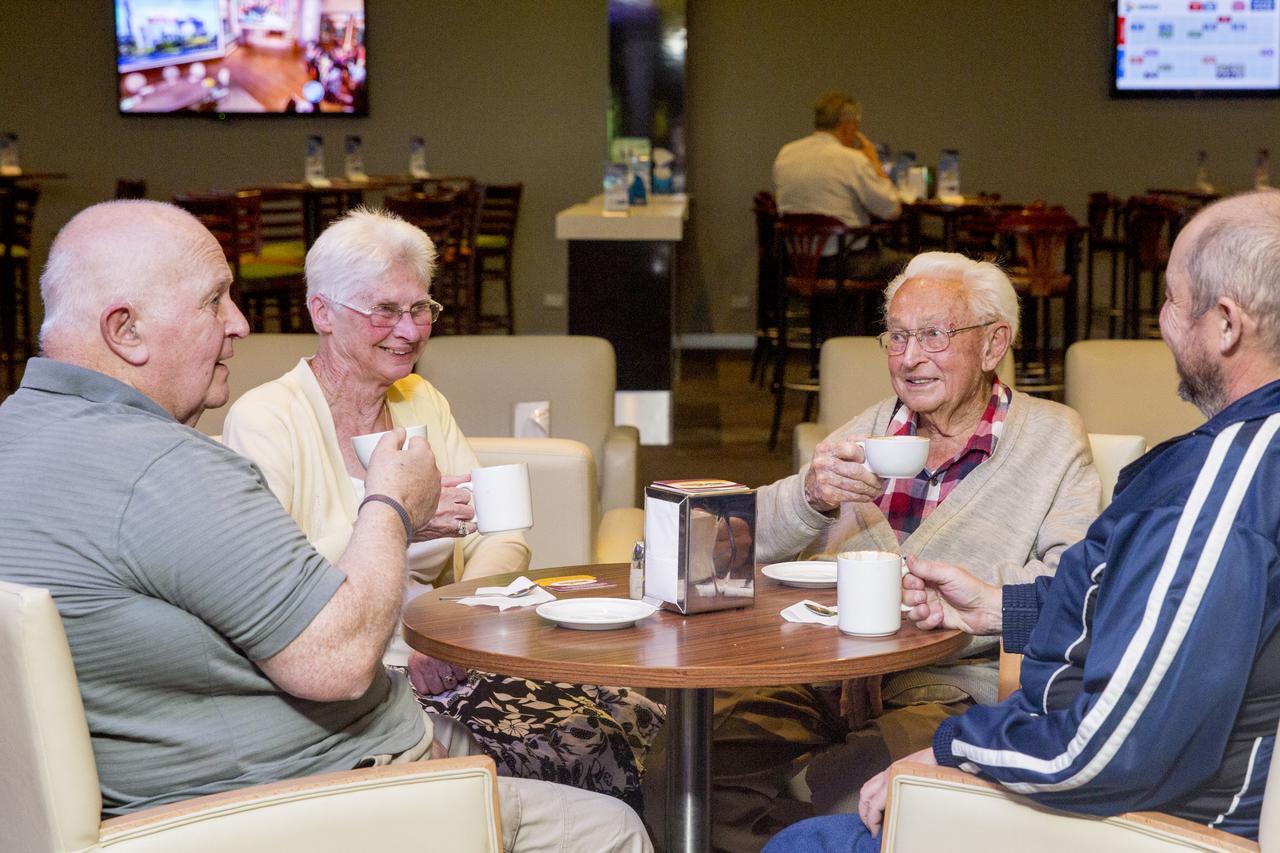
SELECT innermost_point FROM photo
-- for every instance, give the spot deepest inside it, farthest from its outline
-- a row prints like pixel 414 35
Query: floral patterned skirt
pixel 594 738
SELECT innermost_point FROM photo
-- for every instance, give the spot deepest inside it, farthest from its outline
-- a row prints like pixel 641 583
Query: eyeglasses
pixel 930 338
pixel 386 316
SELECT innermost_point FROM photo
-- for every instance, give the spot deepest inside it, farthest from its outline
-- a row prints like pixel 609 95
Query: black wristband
pixel 397 506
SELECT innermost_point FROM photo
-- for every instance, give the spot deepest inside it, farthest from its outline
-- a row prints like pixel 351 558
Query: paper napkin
pixel 493 596
pixel 799 613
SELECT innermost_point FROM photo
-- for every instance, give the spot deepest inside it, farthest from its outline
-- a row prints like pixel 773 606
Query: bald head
pixel 118 252
pixel 1232 249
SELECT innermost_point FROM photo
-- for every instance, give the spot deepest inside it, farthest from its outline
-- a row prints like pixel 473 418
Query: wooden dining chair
pixel 17 330
pixel 1150 225
pixel 764 209
pixel 499 211
pixel 1105 220
pixel 260 282
pixel 131 188
pixel 448 219
pixel 1042 242
pixel 813 305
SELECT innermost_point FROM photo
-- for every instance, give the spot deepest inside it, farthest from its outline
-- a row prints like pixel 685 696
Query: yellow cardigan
pixel 286 428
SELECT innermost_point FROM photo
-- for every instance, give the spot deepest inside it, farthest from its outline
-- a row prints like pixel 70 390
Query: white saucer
pixel 595 614
pixel 810 574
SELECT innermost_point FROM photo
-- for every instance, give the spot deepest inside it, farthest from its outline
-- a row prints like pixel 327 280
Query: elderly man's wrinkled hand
pixel 874 794
pixel 837 475
pixel 409 475
pixel 941 595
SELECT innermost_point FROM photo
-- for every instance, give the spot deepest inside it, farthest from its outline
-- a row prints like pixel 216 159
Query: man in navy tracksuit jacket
pixel 1151 670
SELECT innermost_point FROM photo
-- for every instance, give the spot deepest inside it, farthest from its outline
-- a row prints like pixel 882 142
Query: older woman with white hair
pixel 368 291
pixel 1008 485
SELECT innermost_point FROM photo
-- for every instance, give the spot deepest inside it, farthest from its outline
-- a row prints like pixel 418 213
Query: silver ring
pixel 462 528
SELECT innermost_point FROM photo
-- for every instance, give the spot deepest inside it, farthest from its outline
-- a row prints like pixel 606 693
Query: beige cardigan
pixel 286 428
pixel 1008 521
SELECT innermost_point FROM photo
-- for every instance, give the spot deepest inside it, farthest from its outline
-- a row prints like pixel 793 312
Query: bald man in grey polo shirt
pixel 213 646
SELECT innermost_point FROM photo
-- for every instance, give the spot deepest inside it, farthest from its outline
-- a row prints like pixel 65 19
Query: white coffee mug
pixel 364 444
pixel 895 455
pixel 501 497
pixel 869 593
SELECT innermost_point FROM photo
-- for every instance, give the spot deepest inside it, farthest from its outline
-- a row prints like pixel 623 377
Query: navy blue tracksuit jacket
pixel 1151 677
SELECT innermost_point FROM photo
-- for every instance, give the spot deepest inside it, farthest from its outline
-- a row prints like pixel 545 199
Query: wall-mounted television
pixel 246 57
pixel 1195 48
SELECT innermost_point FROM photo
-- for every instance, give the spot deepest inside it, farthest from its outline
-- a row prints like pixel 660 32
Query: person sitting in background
pixel 214 647
pixel 1008 485
pixel 368 291
pixel 836 171
pixel 1149 669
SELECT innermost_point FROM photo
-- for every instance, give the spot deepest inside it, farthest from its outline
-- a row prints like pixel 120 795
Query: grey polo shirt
pixel 174 568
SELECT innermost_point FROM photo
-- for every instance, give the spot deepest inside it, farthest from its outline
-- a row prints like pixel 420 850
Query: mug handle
pixel 901 606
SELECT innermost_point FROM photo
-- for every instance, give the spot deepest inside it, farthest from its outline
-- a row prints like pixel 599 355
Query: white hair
pixel 117 251
pixel 361 248
pixel 989 292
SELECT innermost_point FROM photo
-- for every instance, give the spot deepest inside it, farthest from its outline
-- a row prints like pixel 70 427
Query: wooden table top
pixel 747 647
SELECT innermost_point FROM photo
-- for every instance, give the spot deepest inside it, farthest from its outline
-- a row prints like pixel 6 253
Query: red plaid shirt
pixel 906 503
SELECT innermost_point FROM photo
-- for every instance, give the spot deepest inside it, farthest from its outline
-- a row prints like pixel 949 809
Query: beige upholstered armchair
pixel 485 376
pixel 1128 387
pixel 855 374
pixel 943 808
pixel 568 528
pixel 259 358
pixel 50 800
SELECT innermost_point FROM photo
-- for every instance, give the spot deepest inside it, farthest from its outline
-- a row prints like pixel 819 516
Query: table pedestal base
pixel 689 769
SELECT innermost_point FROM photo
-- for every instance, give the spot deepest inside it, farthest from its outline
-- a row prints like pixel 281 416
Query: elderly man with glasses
pixel 1008 485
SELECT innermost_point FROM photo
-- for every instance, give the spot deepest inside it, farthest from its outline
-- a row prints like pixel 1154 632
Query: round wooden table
pixel 748 647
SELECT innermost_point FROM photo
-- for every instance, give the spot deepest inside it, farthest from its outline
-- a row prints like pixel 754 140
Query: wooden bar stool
pixel 1150 225
pixel 17 331
pixel 1105 213
pixel 1044 250
pixel 813 301
pixel 444 217
pixel 764 209
pixel 495 251
pixel 260 282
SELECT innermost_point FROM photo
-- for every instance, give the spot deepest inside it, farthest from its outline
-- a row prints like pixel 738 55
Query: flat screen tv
pixel 1195 48
pixel 241 57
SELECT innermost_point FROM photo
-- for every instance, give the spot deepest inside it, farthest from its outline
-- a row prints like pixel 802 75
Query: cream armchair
pixel 1110 454
pixel 855 375
pixel 941 808
pixel 259 358
pixel 484 376
pixel 568 529
pixel 50 800
pixel 1128 387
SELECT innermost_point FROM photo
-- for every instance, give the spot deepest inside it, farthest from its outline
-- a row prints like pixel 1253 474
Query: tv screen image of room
pixel 241 56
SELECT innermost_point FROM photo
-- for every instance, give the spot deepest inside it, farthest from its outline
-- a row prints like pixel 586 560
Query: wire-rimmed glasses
pixel 423 313
pixel 930 338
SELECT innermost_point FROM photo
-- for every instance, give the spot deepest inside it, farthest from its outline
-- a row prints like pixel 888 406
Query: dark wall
pixel 516 90
pixel 505 91
pixel 1019 88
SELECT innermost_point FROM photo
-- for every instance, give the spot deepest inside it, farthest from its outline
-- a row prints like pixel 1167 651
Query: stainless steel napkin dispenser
pixel 699 545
